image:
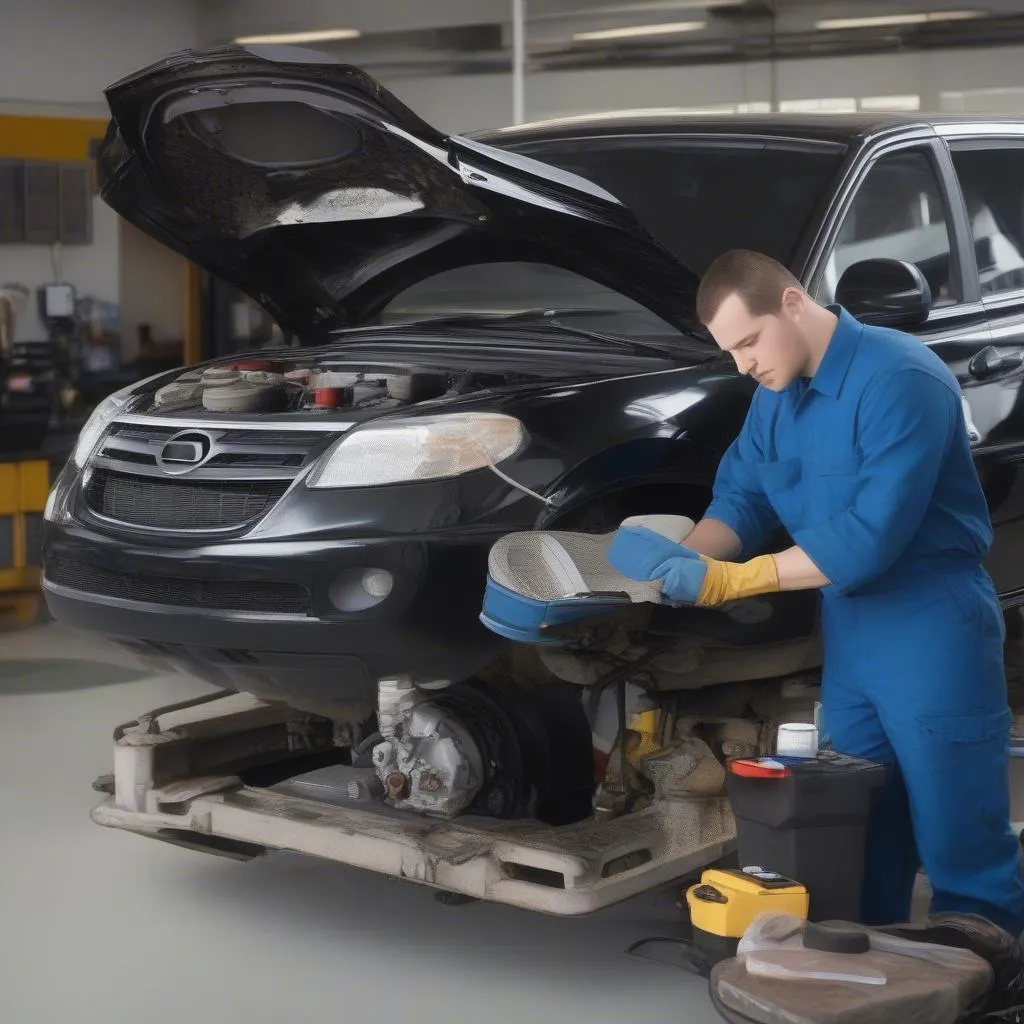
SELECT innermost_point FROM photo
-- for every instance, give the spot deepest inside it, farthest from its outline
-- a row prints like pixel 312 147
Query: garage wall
pixel 225 19
pixel 56 57
pixel 149 283
pixel 470 102
pixel 68 51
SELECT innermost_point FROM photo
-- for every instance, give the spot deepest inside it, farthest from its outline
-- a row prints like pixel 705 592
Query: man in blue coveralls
pixel 856 443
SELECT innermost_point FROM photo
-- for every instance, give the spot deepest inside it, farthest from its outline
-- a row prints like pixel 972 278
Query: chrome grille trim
pixel 249 453
pixel 264 454
pixel 260 423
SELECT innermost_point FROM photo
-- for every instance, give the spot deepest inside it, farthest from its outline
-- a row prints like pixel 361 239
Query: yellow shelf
pixel 24 488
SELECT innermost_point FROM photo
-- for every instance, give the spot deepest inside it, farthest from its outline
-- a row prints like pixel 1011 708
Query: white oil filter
pixel 797 739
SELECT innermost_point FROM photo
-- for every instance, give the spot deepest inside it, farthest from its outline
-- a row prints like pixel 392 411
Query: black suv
pixel 492 334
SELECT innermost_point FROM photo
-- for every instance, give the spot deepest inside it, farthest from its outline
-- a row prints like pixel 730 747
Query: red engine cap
pixel 758 768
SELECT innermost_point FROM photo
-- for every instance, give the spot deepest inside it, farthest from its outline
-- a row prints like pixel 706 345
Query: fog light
pixel 378 583
pixel 356 590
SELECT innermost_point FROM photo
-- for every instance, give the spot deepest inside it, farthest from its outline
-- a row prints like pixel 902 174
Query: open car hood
pixel 307 185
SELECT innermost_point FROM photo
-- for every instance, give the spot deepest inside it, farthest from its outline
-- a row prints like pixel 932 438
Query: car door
pixel 905 203
pixel 989 172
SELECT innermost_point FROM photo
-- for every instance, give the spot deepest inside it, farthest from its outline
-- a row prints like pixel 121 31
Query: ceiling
pixel 476 37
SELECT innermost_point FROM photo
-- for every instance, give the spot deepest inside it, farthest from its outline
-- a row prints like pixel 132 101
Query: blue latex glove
pixel 643 554
pixel 683 578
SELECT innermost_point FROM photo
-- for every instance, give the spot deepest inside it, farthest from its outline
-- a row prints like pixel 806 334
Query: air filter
pixel 541 580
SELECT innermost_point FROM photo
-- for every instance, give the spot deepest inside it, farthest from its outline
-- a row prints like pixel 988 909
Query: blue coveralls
pixel 868 466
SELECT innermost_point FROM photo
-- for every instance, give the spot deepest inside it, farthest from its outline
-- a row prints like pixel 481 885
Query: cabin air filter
pixel 544 579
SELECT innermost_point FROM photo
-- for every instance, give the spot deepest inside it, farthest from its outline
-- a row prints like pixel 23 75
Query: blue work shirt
pixel 867 466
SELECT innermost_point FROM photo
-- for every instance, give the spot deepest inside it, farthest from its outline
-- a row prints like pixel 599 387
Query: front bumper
pixel 427 626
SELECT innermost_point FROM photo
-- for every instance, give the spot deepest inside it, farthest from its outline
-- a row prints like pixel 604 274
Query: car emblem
pixel 184 452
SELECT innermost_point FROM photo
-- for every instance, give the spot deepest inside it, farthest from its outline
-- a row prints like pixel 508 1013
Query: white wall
pixel 56 57
pixel 68 51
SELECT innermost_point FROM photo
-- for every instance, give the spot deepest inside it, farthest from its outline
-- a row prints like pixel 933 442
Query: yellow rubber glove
pixel 729 581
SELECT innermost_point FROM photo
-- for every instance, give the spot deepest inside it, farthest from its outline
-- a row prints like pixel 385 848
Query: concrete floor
pixel 101 927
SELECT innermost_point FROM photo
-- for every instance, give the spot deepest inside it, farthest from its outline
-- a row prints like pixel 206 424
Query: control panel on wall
pixel 45 201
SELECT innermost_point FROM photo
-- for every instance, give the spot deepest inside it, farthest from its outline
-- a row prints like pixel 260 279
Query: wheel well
pixel 604 513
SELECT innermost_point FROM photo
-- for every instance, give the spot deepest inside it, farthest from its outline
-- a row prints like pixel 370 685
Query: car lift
pixel 212 774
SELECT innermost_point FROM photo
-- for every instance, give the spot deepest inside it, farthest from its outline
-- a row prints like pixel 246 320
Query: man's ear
pixel 794 302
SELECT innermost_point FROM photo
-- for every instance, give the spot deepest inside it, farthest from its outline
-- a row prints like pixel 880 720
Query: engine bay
pixel 265 386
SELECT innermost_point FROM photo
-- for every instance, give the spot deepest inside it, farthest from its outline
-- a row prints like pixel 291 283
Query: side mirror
pixel 889 293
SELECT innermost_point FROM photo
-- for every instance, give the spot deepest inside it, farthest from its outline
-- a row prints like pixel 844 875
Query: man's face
pixel 770 348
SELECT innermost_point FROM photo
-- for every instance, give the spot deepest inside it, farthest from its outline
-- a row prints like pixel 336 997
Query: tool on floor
pixel 721 908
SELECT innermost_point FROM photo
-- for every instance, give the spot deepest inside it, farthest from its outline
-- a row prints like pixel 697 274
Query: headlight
pixel 430 448
pixel 50 512
pixel 107 410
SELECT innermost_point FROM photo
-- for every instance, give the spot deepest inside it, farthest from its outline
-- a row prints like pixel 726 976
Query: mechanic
pixel 856 443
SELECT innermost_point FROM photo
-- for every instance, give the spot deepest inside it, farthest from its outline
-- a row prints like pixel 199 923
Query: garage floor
pixel 101 927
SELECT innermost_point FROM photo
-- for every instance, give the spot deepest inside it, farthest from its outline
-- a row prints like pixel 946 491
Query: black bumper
pixel 292 642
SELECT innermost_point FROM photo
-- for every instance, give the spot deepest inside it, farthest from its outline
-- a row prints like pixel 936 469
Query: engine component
pixel 395 699
pixel 435 767
pixel 477 747
pixel 415 387
pixel 333 379
pixel 604 714
pixel 179 391
pixel 688 768
pixel 332 398
pixel 254 392
pixel 216 375
pixel 258 366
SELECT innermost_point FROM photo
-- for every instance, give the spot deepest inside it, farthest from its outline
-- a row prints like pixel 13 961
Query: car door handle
pixel 973 433
pixel 990 362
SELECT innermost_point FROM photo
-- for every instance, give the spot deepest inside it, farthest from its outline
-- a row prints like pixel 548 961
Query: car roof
pixel 841 128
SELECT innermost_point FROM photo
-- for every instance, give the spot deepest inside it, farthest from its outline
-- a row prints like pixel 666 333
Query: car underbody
pixel 233 775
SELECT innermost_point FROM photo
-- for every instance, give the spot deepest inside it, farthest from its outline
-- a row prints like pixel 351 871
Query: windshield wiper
pixel 543 317
pixel 539 313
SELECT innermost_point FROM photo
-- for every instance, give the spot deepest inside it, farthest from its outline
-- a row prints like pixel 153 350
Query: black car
pixel 493 334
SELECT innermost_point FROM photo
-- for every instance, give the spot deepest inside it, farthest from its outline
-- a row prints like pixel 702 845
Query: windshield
pixel 697 196
pixel 509 288
pixel 702 196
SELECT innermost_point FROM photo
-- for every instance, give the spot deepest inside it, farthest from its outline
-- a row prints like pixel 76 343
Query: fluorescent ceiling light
pixel 882 103
pixel 634 31
pixel 885 20
pixel 323 36
pixel 635 8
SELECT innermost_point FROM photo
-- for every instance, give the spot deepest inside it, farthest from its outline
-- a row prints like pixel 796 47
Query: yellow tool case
pixel 726 901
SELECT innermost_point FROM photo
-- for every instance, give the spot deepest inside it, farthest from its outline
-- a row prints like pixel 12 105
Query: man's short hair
pixel 756 278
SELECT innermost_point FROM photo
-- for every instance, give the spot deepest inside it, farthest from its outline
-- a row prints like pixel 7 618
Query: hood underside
pixel 315 191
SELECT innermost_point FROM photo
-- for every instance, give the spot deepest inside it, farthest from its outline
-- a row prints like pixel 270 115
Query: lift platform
pixel 217 774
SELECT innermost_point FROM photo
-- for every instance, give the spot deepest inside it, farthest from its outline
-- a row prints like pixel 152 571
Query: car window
pixel 992 182
pixel 899 212
pixel 515 287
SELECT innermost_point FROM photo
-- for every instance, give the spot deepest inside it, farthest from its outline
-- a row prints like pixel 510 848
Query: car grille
pixel 241 479
pixel 170 504
pixel 254 450
pixel 220 595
